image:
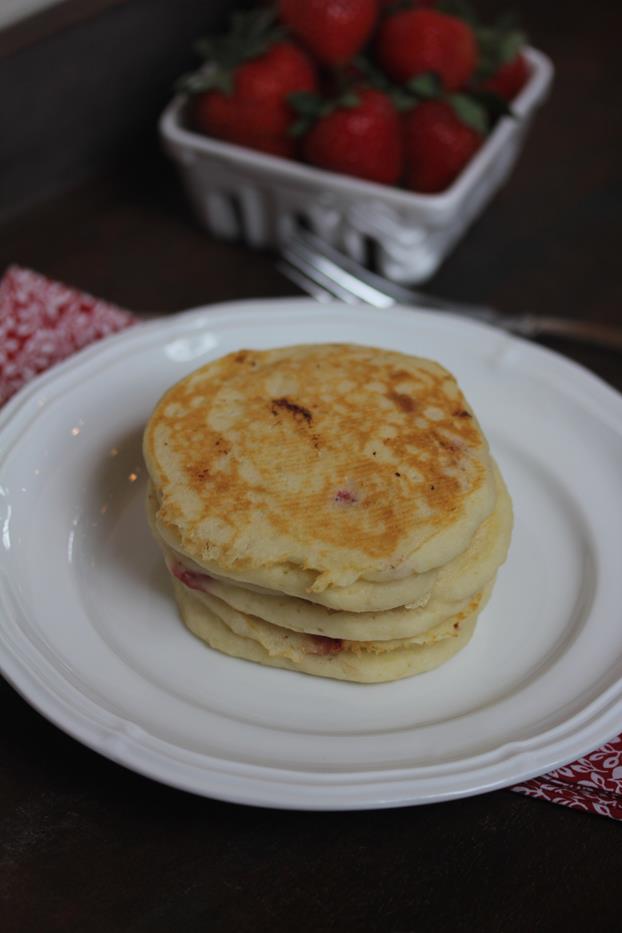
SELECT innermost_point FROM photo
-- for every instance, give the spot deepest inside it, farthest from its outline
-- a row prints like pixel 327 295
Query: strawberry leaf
pixel 372 76
pixel 311 107
pixel 305 103
pixel 497 48
pixel 250 34
pixel 470 112
pixel 402 100
pixel 427 86
pixel 298 128
pixel 495 105
pixel 200 82
pixel 511 45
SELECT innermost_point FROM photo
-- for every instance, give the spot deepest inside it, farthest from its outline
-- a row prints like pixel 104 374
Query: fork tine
pixel 309 270
pixel 399 293
pixel 304 282
pixel 334 273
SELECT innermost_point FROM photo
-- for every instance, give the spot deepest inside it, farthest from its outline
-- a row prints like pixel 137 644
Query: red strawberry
pixel 509 79
pixel 334 30
pixel 437 146
pixel 256 112
pixel 363 140
pixel 413 42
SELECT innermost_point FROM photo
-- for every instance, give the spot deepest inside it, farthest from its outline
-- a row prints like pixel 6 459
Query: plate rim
pixel 124 743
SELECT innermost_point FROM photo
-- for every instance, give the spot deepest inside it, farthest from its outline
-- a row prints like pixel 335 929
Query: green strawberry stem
pixel 250 34
pixel 470 112
pixel 311 107
pixel 498 44
pixel 426 86
pixel 496 49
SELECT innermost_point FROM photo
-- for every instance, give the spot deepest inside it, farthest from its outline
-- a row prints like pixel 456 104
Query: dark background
pixel 86 197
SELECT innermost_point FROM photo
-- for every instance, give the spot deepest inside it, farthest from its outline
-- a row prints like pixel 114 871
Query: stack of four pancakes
pixel 331 509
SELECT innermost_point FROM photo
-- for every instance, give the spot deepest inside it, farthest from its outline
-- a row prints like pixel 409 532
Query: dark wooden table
pixel 89 846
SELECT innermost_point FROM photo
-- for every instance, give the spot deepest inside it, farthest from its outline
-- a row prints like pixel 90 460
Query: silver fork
pixel 325 273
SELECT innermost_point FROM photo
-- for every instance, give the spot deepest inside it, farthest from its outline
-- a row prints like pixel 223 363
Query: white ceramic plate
pixel 90 634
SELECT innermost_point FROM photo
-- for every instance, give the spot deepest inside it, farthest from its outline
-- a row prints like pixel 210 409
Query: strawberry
pixel 360 136
pixel 334 30
pixel 502 67
pixel 256 113
pixel 413 42
pixel 509 79
pixel 243 96
pixel 437 144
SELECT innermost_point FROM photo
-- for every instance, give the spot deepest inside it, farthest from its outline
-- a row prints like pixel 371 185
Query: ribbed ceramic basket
pixel 240 193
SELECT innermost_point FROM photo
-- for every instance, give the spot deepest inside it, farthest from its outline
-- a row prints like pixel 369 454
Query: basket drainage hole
pixel 370 253
pixel 300 221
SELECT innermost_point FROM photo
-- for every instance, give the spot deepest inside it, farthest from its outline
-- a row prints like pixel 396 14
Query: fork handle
pixel 600 335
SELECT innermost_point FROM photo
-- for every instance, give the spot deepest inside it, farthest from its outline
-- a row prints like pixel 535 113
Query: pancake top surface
pixel 351 461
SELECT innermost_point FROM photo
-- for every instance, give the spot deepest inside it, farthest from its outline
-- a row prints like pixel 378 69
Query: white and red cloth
pixel 42 322
pixel 593 783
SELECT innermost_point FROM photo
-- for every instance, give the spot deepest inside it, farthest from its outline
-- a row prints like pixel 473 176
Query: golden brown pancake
pixel 350 462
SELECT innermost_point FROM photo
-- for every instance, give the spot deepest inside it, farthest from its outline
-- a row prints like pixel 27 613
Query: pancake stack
pixel 331 509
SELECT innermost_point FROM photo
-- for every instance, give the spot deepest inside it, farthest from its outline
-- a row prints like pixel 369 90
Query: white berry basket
pixel 240 193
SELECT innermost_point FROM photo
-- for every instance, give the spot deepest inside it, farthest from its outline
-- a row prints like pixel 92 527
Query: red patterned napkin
pixel 43 322
pixel 593 783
